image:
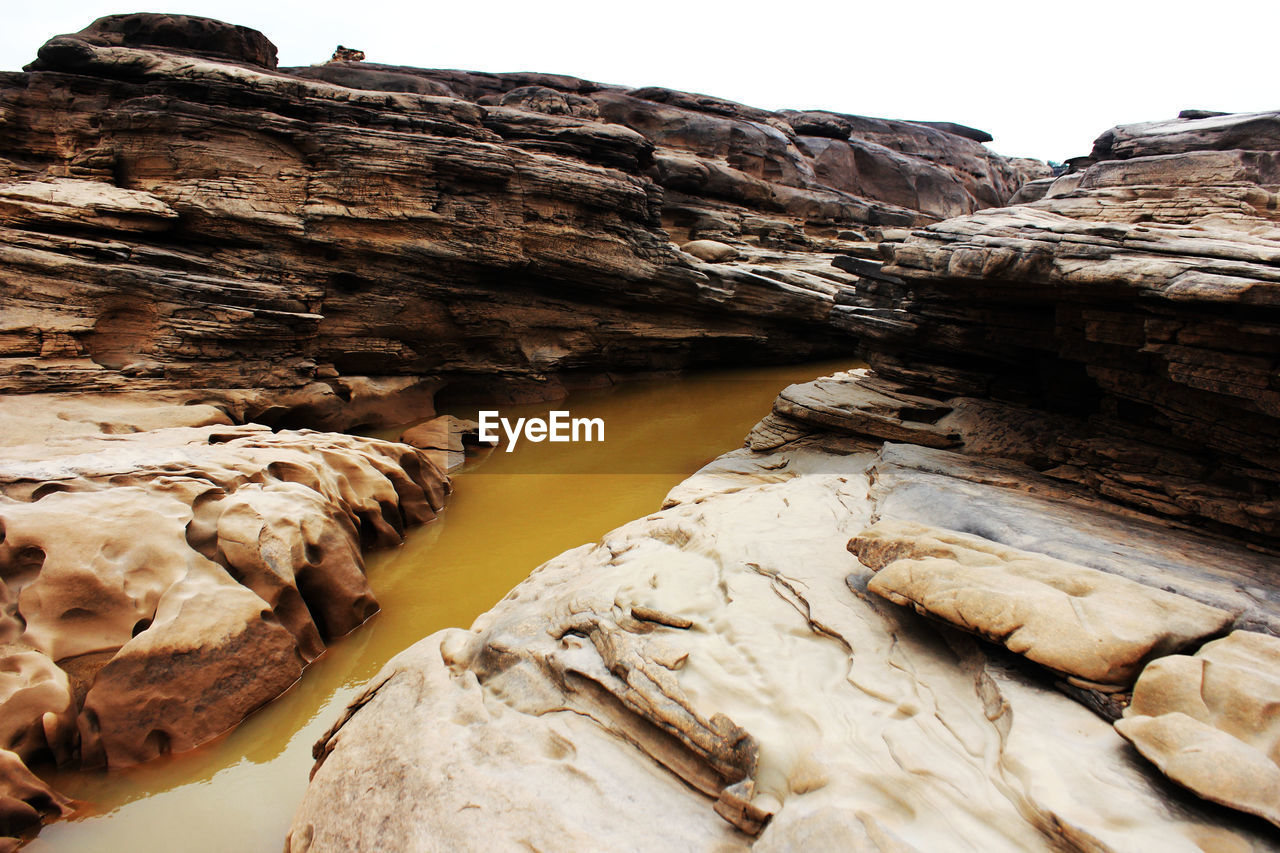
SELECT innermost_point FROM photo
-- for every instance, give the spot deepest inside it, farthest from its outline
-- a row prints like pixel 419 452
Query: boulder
pixel 1208 722
pixel 711 251
pixel 1087 624
pixel 186 34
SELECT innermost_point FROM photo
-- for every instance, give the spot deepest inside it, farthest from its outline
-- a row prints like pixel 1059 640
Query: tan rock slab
pixel 1209 721
pixel 1084 623
pixel 1232 684
pixel 1208 761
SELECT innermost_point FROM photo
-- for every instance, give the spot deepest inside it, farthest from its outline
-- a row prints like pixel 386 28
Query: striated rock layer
pixel 193 238
pixel 178 213
pixel 1140 297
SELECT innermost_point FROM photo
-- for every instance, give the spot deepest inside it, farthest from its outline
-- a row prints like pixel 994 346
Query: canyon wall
pixel 179 213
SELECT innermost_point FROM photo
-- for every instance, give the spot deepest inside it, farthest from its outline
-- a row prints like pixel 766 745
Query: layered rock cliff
pixel 179 213
pixel 997 592
pixel 1140 298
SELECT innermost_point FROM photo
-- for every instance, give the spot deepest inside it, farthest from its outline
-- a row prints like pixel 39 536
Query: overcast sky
pixel 1043 78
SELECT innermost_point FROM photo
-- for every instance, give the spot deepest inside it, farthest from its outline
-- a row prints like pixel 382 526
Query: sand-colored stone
pixel 1075 620
pixel 711 251
pixel 445 439
pixel 37 713
pixel 1209 721
pixel 1232 684
pixel 874 729
pixel 1208 761
pixel 185 576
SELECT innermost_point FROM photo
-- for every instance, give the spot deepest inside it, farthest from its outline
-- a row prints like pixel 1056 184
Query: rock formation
pixel 218 563
pixel 741 601
pixel 973 597
pixel 178 213
pixel 1139 297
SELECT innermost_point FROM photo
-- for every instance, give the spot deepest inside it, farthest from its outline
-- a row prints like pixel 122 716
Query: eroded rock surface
pixel 1085 623
pixel 733 602
pixel 192 238
pixel 160 586
pixel 1208 721
pixel 1078 387
pixel 1139 295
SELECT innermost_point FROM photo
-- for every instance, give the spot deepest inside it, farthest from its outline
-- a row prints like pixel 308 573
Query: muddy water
pixel 509 513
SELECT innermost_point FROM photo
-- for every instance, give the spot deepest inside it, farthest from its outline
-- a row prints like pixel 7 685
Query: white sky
pixel 1043 78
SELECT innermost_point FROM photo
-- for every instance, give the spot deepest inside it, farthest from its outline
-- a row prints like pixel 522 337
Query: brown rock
pixel 24 799
pixel 214 654
pixel 1140 293
pixel 711 251
pixel 347 54
pixel 185 34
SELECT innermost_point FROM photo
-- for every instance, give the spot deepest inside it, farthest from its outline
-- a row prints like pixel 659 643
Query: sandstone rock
pixel 221 560
pixel 347 54
pixel 37 715
pixel 373 77
pixel 1139 293
pixel 213 654
pixel 185 34
pixel 24 799
pixel 1208 722
pixel 64 201
pixel 534 242
pixel 1208 761
pixel 1087 624
pixel 445 439
pixel 131 293
pixel 710 251
pixel 859 711
pixel 540 99
pixel 847 403
pixel 1231 684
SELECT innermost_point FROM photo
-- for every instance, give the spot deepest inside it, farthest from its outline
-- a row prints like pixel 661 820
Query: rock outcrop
pixel 584 703
pixel 1140 297
pixel 159 586
pixel 192 238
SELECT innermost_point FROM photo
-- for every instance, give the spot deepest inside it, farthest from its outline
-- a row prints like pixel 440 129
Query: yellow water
pixel 508 514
